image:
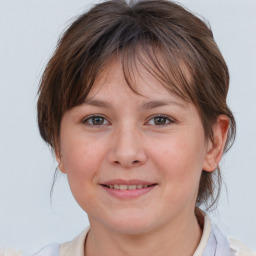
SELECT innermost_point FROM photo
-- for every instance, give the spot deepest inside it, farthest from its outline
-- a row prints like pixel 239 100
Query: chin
pixel 131 226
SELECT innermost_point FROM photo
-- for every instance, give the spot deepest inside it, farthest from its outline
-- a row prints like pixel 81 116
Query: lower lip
pixel 128 193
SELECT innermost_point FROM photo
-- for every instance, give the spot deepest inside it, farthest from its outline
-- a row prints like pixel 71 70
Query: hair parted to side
pixel 171 43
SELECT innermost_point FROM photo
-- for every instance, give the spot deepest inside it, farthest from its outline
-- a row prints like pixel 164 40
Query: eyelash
pixel 170 120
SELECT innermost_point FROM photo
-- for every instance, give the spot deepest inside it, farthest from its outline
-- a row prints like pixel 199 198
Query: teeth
pixel 126 187
pixel 132 187
pixel 123 187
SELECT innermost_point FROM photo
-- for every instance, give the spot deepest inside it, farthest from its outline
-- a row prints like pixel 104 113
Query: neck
pixel 178 237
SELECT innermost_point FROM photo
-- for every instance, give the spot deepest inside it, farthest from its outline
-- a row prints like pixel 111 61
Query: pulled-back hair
pixel 171 43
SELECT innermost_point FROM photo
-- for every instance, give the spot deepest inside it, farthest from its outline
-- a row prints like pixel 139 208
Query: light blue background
pixel 28 34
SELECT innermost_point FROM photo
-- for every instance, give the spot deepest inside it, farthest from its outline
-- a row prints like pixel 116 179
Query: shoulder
pixel 239 249
pixel 214 241
pixel 74 247
pixel 10 252
pixel 49 250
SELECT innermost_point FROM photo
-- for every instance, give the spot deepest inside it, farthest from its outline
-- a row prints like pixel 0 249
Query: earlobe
pixel 216 147
pixel 60 162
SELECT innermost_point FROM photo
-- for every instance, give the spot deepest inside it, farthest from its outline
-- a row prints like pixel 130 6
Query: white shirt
pixel 212 243
pixel 236 248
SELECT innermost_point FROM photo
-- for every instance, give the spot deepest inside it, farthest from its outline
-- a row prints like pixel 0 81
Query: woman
pixel 133 103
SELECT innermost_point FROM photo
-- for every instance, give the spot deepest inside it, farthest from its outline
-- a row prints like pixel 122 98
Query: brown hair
pixel 174 45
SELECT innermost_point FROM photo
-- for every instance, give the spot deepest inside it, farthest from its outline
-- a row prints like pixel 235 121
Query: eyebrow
pixel 160 103
pixel 143 106
pixel 97 103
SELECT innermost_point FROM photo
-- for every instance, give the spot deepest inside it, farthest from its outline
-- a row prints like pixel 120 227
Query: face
pixel 133 162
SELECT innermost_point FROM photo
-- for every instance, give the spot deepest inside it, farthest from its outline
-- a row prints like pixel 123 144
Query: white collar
pixel 212 242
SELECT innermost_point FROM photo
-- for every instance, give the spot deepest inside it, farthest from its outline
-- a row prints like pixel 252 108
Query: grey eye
pixel 95 120
pixel 160 120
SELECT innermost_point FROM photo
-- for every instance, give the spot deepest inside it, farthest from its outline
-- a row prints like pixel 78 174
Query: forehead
pixel 139 82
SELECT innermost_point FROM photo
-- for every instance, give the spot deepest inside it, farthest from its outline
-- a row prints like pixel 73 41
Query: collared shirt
pixel 212 243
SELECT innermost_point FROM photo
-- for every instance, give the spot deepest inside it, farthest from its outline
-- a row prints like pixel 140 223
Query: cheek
pixel 82 159
pixel 180 160
pixel 80 153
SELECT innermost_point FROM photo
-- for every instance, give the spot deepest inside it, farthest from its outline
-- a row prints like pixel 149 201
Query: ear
pixel 59 160
pixel 215 148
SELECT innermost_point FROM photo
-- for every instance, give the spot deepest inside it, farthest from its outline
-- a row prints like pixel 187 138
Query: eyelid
pixel 85 119
pixel 171 120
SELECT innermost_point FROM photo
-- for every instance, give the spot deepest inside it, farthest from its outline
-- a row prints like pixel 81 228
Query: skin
pixel 129 142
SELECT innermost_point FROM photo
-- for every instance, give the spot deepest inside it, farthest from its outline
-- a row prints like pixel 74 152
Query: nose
pixel 127 148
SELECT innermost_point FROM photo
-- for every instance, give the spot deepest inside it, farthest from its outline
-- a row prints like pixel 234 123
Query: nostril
pixel 127 164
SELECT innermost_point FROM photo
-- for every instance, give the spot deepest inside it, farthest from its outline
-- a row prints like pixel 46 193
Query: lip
pixel 129 193
pixel 127 182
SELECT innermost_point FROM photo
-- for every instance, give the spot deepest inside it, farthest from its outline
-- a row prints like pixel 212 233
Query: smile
pixel 127 190
pixel 127 187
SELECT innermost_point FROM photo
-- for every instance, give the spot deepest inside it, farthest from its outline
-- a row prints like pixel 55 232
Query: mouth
pixel 131 189
pixel 127 187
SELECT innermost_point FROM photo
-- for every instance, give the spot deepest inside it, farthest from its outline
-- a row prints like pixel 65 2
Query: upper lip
pixel 127 182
